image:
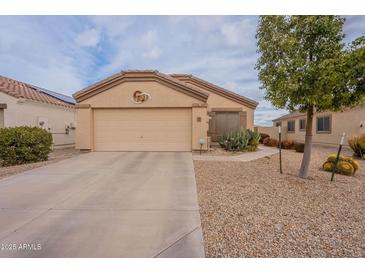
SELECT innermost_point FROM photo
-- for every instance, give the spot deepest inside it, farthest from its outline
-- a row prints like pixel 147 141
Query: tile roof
pixel 290 115
pixel 179 79
pixel 217 89
pixel 80 95
pixel 62 97
pixel 19 89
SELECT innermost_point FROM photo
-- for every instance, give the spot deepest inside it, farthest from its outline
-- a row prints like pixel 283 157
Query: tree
pixel 304 65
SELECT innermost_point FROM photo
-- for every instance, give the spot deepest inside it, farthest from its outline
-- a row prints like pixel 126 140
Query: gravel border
pixel 248 209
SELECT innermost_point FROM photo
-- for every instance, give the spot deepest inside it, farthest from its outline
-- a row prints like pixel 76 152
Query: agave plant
pixel 240 140
pixel 254 139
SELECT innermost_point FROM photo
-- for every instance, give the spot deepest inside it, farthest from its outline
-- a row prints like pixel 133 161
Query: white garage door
pixel 142 129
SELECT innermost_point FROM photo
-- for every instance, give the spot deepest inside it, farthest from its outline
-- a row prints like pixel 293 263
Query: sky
pixel 68 53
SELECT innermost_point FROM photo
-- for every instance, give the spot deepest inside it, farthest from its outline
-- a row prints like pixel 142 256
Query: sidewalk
pixel 244 157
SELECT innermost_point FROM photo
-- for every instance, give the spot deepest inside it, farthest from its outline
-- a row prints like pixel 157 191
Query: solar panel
pixel 62 97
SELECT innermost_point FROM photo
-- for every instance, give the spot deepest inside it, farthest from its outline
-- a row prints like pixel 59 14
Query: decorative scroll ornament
pixel 140 97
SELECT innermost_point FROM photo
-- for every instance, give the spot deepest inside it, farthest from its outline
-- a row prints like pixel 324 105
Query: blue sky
pixel 67 53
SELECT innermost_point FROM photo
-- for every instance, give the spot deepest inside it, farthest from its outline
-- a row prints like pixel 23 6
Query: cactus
pixel 332 158
pixel 354 163
pixel 345 168
pixel 342 167
pixel 327 166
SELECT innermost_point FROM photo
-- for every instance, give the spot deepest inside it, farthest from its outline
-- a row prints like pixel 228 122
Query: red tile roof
pixel 19 89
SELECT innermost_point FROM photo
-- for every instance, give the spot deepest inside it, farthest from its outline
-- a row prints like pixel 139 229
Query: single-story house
pixel 23 104
pixel 327 126
pixel 151 111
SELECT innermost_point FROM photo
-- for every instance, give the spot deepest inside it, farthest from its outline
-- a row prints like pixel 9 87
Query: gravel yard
pixel 218 151
pixel 248 209
pixel 55 156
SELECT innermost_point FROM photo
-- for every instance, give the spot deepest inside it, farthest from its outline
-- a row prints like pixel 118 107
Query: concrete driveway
pixel 103 204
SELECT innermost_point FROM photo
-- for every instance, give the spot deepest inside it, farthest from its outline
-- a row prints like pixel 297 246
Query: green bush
pixel 20 145
pixel 357 144
pixel 245 140
pixel 299 147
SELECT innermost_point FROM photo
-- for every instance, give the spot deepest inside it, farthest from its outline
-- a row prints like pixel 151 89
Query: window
pixel 278 124
pixel 324 124
pixel 291 126
pixel 302 124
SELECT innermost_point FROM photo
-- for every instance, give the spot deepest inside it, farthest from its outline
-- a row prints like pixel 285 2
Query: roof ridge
pixel 97 83
pixel 293 114
pixel 193 89
pixel 193 77
pixel 182 83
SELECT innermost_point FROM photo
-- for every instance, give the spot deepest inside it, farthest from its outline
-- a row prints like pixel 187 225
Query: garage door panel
pixel 142 129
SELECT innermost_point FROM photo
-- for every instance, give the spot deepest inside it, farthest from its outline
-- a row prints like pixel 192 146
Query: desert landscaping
pixel 249 209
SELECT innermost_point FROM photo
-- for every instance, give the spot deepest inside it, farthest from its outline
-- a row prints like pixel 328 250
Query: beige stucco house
pixel 327 126
pixel 151 111
pixel 23 104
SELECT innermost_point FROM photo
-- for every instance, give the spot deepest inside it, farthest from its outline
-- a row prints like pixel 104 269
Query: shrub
pixel 20 145
pixel 270 142
pixel 287 144
pixel 299 147
pixel 263 136
pixel 245 140
pixel 357 144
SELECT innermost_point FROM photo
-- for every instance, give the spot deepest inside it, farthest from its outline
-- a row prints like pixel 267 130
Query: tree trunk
pixel 304 168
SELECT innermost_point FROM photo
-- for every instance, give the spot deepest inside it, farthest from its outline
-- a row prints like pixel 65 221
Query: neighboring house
pixel 327 126
pixel 151 111
pixel 23 104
